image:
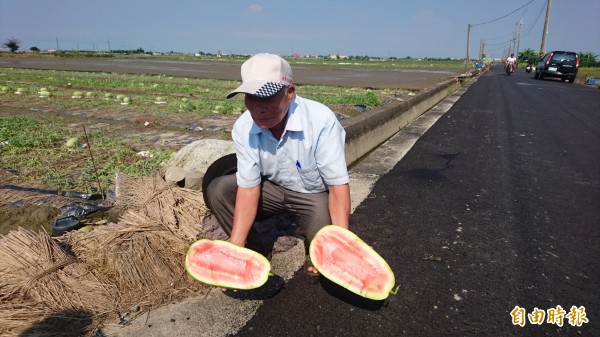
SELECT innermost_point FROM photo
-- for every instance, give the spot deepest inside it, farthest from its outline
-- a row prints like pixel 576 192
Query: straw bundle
pixel 140 261
pixel 142 257
pixel 17 315
pixel 38 276
pixel 181 210
pixel 36 267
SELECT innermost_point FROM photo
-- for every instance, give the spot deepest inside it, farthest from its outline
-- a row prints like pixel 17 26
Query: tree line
pixel 586 59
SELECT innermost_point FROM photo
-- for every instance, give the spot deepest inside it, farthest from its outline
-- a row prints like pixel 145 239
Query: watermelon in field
pixel 223 264
pixel 345 259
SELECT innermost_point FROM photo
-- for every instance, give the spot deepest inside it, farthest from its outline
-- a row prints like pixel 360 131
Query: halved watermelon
pixel 342 257
pixel 223 264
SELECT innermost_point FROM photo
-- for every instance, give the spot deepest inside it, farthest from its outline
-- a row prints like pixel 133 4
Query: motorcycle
pixel 510 68
pixel 529 67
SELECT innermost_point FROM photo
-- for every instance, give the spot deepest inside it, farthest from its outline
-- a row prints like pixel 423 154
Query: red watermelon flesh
pixel 223 264
pixel 348 261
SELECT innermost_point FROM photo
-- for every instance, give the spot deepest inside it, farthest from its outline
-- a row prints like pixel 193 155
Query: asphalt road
pixel 497 206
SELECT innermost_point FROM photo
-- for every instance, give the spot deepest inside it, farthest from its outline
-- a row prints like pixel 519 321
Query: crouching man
pixel 290 159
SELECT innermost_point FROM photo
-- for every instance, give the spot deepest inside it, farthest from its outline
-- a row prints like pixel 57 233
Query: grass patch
pixel 35 145
pixel 36 148
pixel 66 90
pixel 589 72
pixel 367 99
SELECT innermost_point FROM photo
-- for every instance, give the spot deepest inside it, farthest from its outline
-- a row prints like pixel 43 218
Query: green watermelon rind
pixel 230 285
pixel 387 288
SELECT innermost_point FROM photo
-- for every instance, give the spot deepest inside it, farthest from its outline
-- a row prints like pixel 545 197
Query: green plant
pixel 37 148
pixel 368 99
pixel 21 134
pixel 528 55
pixel 588 59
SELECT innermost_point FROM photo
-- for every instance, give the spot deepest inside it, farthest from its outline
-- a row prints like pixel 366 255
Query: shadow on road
pixel 350 297
pixel 267 290
pixel 435 174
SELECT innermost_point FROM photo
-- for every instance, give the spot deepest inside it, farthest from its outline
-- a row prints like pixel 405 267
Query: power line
pixel 536 20
pixel 502 17
pixel 503 43
pixel 505 36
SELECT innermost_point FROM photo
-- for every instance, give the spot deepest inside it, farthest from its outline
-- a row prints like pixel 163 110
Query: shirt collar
pixel 294 122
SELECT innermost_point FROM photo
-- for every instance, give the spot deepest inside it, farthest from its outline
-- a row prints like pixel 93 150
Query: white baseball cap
pixel 263 75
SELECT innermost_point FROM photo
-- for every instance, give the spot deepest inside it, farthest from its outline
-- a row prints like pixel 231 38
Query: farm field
pixel 68 130
pixel 73 130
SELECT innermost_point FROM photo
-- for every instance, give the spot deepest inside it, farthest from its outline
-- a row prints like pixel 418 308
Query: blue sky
pixel 417 28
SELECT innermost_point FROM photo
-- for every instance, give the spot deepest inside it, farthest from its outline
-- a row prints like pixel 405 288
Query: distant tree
pixel 35 49
pixel 528 55
pixel 139 51
pixel 12 44
pixel 587 59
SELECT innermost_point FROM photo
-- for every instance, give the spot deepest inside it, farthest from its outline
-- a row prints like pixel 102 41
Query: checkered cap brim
pixel 269 89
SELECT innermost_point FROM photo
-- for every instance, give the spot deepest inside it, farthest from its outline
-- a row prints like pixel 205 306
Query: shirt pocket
pixel 311 178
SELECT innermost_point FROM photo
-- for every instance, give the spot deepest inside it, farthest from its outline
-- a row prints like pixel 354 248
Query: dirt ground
pixel 175 131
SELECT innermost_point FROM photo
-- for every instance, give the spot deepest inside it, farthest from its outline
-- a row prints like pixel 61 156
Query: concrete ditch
pixel 365 132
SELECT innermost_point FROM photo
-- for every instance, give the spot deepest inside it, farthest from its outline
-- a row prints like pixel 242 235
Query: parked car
pixel 561 64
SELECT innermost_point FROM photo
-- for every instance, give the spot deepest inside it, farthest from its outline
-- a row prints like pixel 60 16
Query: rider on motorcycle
pixel 529 66
pixel 511 60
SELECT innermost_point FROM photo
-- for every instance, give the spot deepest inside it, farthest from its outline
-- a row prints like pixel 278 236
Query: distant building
pixel 338 57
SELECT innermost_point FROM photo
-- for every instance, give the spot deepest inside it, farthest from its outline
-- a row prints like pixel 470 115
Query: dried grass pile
pixel 181 210
pixel 141 257
pixel 38 277
pixel 84 277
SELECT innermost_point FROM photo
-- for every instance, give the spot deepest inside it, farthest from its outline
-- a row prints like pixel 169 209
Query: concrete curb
pixel 364 133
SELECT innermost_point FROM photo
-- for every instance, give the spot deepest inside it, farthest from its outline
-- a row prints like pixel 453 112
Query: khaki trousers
pixel 310 209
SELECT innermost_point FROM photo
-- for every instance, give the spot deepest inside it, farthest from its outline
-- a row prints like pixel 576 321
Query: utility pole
pixel 514 43
pixel 519 38
pixel 57 48
pixel 483 50
pixel 545 32
pixel 468 43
